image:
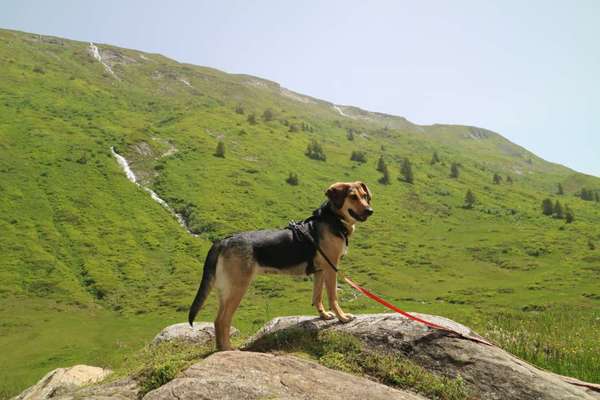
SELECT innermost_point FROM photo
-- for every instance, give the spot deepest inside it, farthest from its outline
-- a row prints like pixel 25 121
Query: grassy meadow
pixel 92 268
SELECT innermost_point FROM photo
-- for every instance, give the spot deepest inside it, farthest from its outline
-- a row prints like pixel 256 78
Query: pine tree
pixel 220 150
pixel 385 179
pixel 597 197
pixel 252 119
pixel 558 210
pixel 509 179
pixel 497 179
pixel 547 207
pixel 470 199
pixel 239 109
pixel 359 156
pixel 381 164
pixel 350 134
pixel 454 171
pixel 569 215
pixel 406 171
pixel 435 158
pixel 560 190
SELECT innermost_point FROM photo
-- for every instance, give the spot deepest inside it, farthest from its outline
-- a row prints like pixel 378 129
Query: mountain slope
pixel 90 259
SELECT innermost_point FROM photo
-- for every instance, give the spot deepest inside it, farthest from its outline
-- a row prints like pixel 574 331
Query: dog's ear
pixel 337 193
pixel 366 189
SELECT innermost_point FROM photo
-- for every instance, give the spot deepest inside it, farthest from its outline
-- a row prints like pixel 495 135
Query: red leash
pixel 410 316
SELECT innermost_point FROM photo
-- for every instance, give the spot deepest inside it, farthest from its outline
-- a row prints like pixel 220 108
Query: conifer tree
pixel 267 115
pixel 385 179
pixel 252 119
pixel 435 158
pixel 597 197
pixel 509 179
pixel 569 215
pixel 454 171
pixel 560 190
pixel 547 207
pixel 558 210
pixel 380 164
pixel 406 171
pixel 469 199
pixel 497 179
pixel 220 150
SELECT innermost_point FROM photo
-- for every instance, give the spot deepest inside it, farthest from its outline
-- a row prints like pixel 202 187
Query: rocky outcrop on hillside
pixel 250 375
pixel 491 371
pixel 256 373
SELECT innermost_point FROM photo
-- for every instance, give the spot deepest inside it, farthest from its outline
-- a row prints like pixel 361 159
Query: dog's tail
pixel 208 280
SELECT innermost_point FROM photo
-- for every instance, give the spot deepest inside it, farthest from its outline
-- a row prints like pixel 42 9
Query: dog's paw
pixel 346 318
pixel 327 315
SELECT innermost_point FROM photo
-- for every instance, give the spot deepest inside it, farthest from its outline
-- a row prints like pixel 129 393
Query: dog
pixel 308 247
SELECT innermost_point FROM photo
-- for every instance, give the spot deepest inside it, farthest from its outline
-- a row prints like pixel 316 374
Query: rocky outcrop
pixel 123 389
pixel 490 371
pixel 200 333
pixel 63 380
pixel 247 375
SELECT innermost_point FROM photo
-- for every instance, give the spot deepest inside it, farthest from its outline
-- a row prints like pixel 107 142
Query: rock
pixel 123 389
pixel 490 371
pixel 62 380
pixel 201 333
pixel 249 375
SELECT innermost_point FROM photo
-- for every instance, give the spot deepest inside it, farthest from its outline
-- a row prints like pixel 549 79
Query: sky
pixel 529 70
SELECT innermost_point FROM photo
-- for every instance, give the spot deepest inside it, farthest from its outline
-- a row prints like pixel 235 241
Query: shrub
pixel 435 158
pixel 315 151
pixel 560 190
pixel 39 70
pixel 293 128
pixel 220 150
pixel 292 179
pixel 239 109
pixel 359 156
pixel 251 119
pixel 267 115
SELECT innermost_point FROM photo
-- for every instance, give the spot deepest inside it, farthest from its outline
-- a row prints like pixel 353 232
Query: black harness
pixel 307 231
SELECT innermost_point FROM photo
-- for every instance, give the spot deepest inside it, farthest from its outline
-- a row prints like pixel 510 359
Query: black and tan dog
pixel 232 262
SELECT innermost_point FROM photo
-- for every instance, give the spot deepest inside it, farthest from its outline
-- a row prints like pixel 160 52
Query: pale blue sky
pixel 529 70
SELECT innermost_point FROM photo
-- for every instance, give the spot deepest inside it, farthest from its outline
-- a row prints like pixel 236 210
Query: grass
pixel 346 353
pixel 89 260
pixel 562 340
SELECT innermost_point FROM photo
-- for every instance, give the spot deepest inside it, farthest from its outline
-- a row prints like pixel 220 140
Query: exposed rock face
pixel 248 375
pixel 201 333
pixel 62 380
pixel 492 372
pixel 124 389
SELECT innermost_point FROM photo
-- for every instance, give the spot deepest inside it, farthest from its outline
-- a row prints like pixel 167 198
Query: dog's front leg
pixel 331 285
pixel 317 300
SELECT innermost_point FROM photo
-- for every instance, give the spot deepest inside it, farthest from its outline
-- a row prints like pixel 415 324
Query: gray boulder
pixel 63 380
pixel 247 375
pixel 490 371
pixel 201 333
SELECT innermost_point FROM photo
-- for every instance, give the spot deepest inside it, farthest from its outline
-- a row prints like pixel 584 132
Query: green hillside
pixel 92 267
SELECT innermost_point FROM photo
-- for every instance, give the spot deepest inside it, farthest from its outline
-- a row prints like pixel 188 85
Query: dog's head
pixel 351 200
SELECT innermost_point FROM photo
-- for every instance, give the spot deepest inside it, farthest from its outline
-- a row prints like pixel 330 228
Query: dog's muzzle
pixel 368 212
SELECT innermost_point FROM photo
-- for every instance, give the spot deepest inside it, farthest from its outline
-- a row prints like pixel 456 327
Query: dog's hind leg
pixel 317 300
pixel 232 281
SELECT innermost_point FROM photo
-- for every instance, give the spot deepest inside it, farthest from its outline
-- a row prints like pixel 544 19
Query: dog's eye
pixel 353 196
